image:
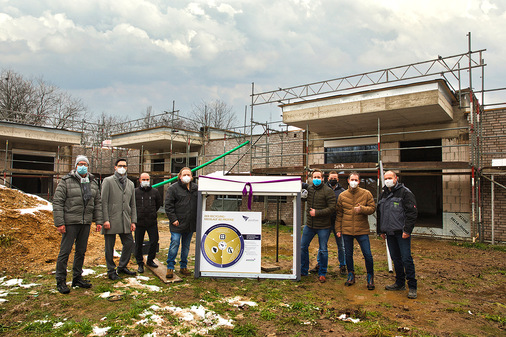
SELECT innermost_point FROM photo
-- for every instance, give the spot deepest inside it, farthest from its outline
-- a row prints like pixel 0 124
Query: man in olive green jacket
pixel 120 216
pixel 76 204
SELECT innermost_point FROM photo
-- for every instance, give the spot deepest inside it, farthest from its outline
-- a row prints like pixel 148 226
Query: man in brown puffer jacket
pixel 353 207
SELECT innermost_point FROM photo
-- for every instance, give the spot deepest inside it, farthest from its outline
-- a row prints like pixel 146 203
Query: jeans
pixel 365 246
pixel 175 238
pixel 323 253
pixel 340 250
pixel 77 234
pixel 400 252
pixel 139 240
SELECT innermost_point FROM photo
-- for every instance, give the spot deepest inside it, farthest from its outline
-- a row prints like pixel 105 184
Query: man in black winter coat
pixel 396 217
pixel 181 209
pixel 147 201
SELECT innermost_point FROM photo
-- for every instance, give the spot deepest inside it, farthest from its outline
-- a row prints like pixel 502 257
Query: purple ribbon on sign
pixel 248 185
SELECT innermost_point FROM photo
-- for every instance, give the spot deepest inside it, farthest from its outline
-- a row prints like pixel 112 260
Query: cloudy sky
pixel 121 56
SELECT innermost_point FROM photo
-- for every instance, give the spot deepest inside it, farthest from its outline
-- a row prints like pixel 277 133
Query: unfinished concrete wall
pixel 456 187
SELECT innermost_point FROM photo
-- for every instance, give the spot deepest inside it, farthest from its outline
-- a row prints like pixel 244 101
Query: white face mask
pixel 144 183
pixel 121 170
pixel 186 179
pixel 389 183
pixel 353 184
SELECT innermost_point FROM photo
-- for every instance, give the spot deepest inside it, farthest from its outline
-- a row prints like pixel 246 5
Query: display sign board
pixel 231 242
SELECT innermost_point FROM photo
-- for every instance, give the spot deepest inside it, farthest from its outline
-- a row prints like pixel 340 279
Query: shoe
pixel 185 272
pixel 370 282
pixel 395 287
pixel 170 273
pixel 81 283
pixel 322 279
pixel 62 287
pixel 140 269
pixel 412 293
pixel 351 279
pixel 315 269
pixel 152 264
pixel 126 271
pixel 114 276
pixel 342 270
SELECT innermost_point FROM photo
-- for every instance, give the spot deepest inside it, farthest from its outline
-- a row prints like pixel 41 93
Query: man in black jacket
pixel 181 209
pixel 396 216
pixel 147 201
pixel 76 204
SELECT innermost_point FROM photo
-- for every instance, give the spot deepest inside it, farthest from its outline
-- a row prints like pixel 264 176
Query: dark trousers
pixel 400 252
pixel 128 246
pixel 77 234
pixel 139 240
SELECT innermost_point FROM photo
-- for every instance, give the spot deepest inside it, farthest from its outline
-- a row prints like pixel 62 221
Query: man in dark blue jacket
pixel 147 201
pixel 181 209
pixel 396 216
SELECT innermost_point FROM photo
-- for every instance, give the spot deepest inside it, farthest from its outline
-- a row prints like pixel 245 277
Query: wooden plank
pixel 270 267
pixel 161 271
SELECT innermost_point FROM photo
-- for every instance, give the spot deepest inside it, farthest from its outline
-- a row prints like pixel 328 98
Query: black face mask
pixel 333 182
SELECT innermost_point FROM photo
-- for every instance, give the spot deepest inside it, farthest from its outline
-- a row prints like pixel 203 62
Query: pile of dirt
pixel 29 241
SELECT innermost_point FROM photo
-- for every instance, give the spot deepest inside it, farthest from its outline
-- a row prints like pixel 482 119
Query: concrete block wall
pixel 494 147
pixel 456 187
pixel 393 155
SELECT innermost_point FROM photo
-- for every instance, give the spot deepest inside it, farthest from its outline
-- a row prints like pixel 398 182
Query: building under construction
pixel 427 121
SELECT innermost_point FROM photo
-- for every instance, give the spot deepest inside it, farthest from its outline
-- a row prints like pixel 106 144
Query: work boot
pixel 140 268
pixel 412 293
pixel 395 287
pixel 315 269
pixel 351 279
pixel 126 271
pixel 114 276
pixel 185 272
pixel 170 273
pixel 62 287
pixel 342 270
pixel 370 282
pixel 81 283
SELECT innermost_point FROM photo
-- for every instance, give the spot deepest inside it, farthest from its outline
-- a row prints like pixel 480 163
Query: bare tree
pixel 217 114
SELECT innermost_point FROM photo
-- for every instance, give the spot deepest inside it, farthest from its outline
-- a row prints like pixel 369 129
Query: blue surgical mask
pixel 82 169
pixel 317 181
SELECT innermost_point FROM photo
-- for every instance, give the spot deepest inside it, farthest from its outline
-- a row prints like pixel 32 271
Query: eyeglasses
pixel 121 166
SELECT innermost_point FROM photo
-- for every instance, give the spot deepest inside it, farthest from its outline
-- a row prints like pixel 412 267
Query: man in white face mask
pixel 353 208
pixel 397 215
pixel 120 216
pixel 147 201
pixel 181 209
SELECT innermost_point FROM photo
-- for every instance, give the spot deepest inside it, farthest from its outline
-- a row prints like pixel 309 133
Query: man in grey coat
pixel 120 216
pixel 76 204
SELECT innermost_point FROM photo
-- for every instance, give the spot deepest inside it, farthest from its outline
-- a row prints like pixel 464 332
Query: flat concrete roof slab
pixel 37 137
pixel 397 107
pixel 157 139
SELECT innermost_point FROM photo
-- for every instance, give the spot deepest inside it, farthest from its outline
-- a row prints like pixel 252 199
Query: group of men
pixel 331 208
pixel 118 208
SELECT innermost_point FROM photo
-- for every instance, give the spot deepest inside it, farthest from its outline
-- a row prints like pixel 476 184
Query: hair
pixel 333 172
pixel 354 173
pixel 120 159
pixel 181 171
pixel 316 170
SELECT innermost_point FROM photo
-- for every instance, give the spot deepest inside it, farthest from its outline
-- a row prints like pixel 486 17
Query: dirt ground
pixel 462 289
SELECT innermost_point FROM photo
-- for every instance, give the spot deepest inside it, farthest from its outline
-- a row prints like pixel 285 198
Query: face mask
pixel 144 183
pixel 121 170
pixel 353 184
pixel 82 170
pixel 333 182
pixel 389 183
pixel 317 181
pixel 186 179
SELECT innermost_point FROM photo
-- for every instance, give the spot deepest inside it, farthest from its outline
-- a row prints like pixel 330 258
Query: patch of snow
pixel 238 302
pixel 105 295
pixel 87 272
pixel 100 331
pixel 343 317
pixel 2 300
